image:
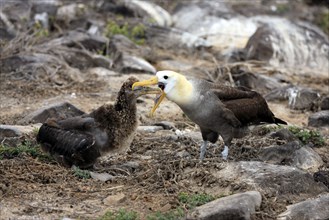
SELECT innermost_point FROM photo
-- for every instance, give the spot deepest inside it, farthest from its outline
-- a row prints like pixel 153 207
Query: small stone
pixel 167 125
pixel 183 154
pixel 238 206
pixel 101 176
pixel 284 134
pixel 70 11
pixel 319 119
pixel 149 129
pixel 114 199
pixel 165 208
pixel 322 176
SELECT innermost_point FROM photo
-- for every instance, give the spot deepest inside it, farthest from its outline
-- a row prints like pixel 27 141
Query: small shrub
pixel 82 174
pixel 136 33
pixel 122 214
pixel 307 136
pixel 24 148
pixel 39 30
pixel 178 213
pixel 193 200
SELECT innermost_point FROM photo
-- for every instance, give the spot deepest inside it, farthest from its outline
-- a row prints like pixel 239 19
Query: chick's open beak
pixel 159 98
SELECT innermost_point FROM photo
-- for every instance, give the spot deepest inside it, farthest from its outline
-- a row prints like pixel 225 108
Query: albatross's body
pixel 81 140
pixel 217 109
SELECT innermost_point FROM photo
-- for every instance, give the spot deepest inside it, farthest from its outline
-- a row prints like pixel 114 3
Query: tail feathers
pixel 279 121
pixel 77 148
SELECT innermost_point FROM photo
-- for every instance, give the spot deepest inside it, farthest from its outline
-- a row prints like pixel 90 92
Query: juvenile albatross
pixel 81 140
pixel 217 109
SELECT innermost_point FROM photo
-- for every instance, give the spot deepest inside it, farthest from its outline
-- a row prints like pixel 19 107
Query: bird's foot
pixel 225 153
pixel 203 149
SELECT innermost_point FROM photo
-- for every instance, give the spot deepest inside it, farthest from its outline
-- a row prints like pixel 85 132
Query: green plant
pixel 39 30
pixel 122 214
pixel 307 136
pixel 175 214
pixel 282 8
pixel 323 21
pixel 136 33
pixel 24 148
pixel 82 174
pixel 193 200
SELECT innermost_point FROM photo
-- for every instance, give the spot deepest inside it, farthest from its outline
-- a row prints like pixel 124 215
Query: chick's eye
pixel 165 77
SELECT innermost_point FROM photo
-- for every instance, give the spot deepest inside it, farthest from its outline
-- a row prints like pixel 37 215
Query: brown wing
pixel 70 139
pixel 249 107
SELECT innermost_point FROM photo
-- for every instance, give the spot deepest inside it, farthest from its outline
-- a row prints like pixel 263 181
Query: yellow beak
pixel 152 81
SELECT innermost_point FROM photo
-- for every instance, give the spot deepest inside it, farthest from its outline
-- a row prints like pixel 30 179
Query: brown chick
pixel 81 140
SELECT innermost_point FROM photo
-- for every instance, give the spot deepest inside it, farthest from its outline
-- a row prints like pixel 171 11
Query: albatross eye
pixel 165 77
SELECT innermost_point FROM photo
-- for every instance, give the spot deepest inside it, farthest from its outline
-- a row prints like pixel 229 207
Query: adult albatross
pixel 217 109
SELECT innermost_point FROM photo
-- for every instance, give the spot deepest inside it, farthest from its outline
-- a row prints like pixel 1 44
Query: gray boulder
pixel 243 77
pixel 324 105
pixel 319 119
pixel 284 134
pixel 306 158
pixel 299 98
pixel 282 42
pixel 81 40
pixel 293 154
pixel 311 209
pixel 127 56
pixel 149 11
pixel 282 154
pixel 322 176
pixel 283 182
pixel 81 59
pixel 302 98
pixel 238 206
pixel 59 111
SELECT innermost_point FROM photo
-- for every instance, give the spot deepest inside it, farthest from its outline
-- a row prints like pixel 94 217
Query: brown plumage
pixel 217 109
pixel 81 140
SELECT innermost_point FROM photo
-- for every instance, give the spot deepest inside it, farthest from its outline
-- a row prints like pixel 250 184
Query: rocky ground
pixel 62 58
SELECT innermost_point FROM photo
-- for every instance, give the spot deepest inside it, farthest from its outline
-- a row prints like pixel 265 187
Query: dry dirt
pixel 32 188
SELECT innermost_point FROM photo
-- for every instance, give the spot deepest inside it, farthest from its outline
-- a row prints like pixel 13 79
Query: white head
pixel 174 86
